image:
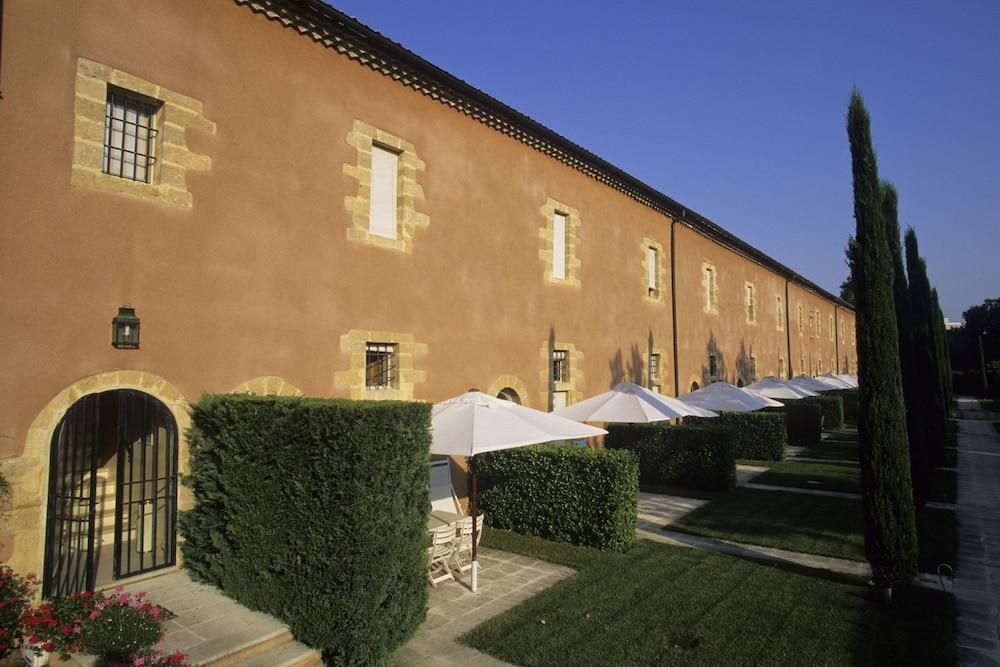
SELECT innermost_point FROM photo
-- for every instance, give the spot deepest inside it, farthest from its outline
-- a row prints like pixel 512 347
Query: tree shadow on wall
pixel 744 372
pixel 712 349
pixel 632 370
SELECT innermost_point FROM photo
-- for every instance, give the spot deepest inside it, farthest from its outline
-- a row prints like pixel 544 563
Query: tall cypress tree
pixel 920 469
pixel 944 356
pixel 887 496
pixel 925 349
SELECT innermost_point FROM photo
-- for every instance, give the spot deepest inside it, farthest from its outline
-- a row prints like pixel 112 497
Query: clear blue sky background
pixel 737 109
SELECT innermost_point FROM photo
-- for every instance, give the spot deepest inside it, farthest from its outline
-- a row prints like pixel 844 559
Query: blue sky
pixel 737 109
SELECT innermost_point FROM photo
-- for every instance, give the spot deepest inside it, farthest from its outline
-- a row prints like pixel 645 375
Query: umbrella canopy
pixel 835 381
pixel 811 383
pixel 630 403
pixel 849 379
pixel 726 397
pixel 474 423
pixel 774 387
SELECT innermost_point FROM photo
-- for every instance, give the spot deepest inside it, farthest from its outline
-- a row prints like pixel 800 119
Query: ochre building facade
pixel 293 204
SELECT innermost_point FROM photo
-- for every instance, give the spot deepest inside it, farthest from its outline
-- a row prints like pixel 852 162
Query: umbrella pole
pixel 475 561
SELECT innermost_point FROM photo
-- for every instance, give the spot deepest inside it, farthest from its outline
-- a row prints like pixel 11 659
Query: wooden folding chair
pixel 439 553
pixel 462 557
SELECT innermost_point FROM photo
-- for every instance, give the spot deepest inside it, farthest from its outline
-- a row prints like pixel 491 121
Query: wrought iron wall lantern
pixel 125 329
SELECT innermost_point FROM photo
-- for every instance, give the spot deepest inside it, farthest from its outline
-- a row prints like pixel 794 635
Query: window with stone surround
pixel 383 213
pixel 751 303
pixel 713 368
pixel 830 322
pixel 840 330
pixel 710 285
pixel 801 322
pixel 781 367
pixel 652 280
pixel 130 136
pixel 779 312
pixel 753 369
pixel 560 235
pixel 654 367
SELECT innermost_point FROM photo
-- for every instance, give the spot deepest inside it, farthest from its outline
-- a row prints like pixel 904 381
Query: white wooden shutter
pixel 651 267
pixel 559 246
pixel 383 192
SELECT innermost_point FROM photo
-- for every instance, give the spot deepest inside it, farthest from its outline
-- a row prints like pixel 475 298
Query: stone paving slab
pixel 796 489
pixel 505 581
pixel 977 583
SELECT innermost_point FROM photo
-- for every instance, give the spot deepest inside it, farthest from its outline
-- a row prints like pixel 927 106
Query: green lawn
pixel 792 521
pixel 808 475
pixel 832 449
pixel 811 524
pixel 656 604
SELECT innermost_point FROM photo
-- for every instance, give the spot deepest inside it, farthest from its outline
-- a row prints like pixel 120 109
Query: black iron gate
pixel 140 433
pixel 69 530
pixel 146 507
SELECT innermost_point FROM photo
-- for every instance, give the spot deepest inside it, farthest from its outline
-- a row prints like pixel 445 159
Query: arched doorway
pixel 694 386
pixel 509 394
pixel 112 494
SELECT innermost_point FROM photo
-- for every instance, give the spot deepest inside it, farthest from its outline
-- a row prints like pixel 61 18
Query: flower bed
pixel 121 628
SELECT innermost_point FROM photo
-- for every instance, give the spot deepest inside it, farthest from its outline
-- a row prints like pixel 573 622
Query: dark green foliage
pixel 889 521
pixel 689 456
pixel 314 511
pixel 758 435
pixel 804 422
pixel 941 341
pixel 919 457
pixel 925 351
pixel 570 494
pixel 832 407
pixel 850 400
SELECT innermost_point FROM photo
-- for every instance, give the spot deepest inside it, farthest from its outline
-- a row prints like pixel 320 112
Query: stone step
pixel 292 654
pixel 232 656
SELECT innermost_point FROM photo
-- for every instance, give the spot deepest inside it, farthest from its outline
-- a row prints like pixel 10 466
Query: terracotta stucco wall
pixel 258 278
pixel 257 281
pixel 726 334
pixel 813 351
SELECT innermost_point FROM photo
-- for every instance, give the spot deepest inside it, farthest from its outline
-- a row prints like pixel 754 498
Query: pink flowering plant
pixel 15 597
pixel 121 628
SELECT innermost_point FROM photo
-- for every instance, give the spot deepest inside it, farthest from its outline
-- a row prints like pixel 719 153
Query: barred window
pixel 654 365
pixel 129 135
pixel 560 366
pixel 380 365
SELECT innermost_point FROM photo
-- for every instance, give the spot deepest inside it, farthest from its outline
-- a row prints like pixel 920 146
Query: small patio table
pixel 439 519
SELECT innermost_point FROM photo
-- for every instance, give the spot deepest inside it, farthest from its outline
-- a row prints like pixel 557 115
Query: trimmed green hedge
pixel 758 435
pixel 563 493
pixel 804 421
pixel 314 511
pixel 850 399
pixel 833 409
pixel 696 456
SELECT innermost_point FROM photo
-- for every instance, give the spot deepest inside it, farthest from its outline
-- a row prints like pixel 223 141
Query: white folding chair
pixel 462 556
pixel 439 553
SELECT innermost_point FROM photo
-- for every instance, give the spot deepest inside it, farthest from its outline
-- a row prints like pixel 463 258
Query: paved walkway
pixel 977 584
pixel 799 489
pixel 505 580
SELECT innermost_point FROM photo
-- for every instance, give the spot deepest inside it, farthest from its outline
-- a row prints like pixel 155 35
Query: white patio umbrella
pixel 849 379
pixel 475 423
pixel 725 397
pixel 811 383
pixel 775 387
pixel 835 381
pixel 630 403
